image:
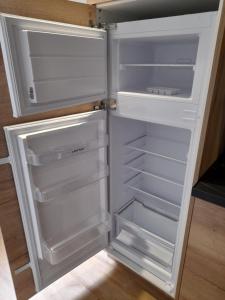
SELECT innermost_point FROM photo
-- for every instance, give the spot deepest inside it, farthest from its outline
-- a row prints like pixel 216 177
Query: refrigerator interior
pixel 147 173
pixel 163 65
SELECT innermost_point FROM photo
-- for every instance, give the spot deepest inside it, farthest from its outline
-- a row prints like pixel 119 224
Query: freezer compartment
pixel 162 65
pixel 147 233
pixel 156 78
pixel 56 250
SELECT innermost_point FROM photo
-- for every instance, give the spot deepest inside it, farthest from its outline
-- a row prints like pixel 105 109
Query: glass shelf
pixel 159 167
pixel 156 187
pixel 168 149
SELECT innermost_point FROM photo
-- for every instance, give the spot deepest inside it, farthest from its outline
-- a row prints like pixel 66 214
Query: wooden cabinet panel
pixel 204 268
pixel 214 143
pixel 24 285
pixel 10 220
pixel 59 10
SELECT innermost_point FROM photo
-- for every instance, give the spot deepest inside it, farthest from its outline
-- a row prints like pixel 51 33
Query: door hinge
pixel 100 106
pixel 112 26
pixel 106 104
pixel 107 26
pixel 112 104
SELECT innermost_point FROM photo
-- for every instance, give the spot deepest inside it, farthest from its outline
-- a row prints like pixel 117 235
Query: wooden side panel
pixel 24 285
pixel 204 268
pixel 59 10
pixel 10 220
pixel 215 133
pixel 213 137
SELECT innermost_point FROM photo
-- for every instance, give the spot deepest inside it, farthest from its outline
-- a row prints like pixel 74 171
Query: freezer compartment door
pixel 61 165
pixel 51 65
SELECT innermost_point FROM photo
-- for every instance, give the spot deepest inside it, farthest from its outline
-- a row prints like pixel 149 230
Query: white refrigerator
pixel 119 177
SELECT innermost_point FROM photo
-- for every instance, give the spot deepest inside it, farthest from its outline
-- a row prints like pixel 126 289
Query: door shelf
pixel 168 149
pixel 70 185
pixel 57 250
pixel 143 230
pixel 40 159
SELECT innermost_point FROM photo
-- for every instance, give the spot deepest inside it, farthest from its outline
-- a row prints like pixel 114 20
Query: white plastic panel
pixel 64 197
pixel 51 65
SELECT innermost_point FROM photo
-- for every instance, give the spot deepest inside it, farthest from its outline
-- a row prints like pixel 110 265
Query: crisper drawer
pixel 158 110
pixel 146 236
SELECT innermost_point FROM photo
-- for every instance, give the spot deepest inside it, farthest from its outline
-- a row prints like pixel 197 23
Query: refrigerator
pixel 118 177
